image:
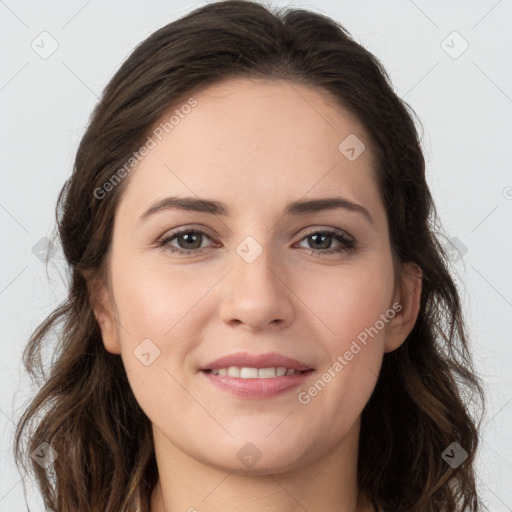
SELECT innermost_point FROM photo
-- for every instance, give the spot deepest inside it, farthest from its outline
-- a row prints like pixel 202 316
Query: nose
pixel 256 295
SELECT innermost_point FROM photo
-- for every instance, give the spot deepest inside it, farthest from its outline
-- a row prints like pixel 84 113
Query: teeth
pixel 280 371
pixel 266 373
pixel 233 371
pixel 249 373
pixel 254 373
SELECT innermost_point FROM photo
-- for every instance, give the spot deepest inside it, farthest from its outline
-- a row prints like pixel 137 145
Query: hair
pixel 85 408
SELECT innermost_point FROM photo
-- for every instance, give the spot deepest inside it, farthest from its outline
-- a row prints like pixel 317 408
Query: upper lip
pixel 268 360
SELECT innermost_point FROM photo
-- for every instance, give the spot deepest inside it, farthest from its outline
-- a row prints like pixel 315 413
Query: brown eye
pixel 320 242
pixel 188 241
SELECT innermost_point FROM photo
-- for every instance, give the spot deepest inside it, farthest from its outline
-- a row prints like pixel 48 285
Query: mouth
pixel 256 376
pixel 246 372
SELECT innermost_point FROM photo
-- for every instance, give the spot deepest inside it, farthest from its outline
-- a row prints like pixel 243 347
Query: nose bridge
pixel 255 263
pixel 256 294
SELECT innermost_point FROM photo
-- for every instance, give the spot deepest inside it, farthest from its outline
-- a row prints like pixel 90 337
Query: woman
pixel 307 351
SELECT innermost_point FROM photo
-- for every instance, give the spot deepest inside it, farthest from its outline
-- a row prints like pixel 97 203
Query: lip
pixel 257 388
pixel 269 360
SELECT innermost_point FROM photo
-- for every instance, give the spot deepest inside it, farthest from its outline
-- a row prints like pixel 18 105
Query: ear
pixel 104 311
pixel 408 296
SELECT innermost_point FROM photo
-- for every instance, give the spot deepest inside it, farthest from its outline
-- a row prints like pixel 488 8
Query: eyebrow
pixel 294 208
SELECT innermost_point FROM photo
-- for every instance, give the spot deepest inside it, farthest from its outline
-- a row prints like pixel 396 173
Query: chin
pixel 257 454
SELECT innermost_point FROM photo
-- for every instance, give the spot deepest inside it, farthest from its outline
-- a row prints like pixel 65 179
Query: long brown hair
pixel 85 408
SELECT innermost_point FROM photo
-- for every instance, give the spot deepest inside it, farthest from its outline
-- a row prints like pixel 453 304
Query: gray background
pixel 464 101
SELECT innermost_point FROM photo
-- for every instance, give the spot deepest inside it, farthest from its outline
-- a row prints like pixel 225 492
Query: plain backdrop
pixel 450 61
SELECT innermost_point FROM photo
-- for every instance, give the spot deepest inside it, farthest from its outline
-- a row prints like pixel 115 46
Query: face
pixel 212 305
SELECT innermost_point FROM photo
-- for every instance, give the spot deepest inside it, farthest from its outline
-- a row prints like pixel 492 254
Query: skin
pixel 255 145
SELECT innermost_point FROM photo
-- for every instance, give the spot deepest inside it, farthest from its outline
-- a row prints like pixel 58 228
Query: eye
pixel 322 240
pixel 190 241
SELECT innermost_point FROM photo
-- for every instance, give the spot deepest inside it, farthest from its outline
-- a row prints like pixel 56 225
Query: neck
pixel 327 483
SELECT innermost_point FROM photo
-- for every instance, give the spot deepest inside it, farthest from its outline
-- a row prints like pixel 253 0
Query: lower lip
pixel 258 388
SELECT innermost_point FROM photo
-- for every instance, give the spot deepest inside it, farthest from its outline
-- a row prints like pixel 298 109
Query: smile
pixel 256 383
pixel 255 376
pixel 254 373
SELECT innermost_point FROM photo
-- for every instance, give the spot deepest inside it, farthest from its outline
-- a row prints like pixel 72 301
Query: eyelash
pixel 347 244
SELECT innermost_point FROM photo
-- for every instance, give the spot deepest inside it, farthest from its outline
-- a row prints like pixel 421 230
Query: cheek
pixel 153 308
pixel 153 302
pixel 350 302
pixel 353 308
pixel 147 311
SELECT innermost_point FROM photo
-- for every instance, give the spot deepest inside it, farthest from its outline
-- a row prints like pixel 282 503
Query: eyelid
pixel 303 232
pixel 347 243
pixel 186 228
pixel 320 228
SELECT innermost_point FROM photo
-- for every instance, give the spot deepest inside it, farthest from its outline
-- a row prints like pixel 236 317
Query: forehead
pixel 246 140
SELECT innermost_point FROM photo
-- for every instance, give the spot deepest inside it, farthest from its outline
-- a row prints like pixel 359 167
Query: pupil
pixel 193 236
pixel 324 237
